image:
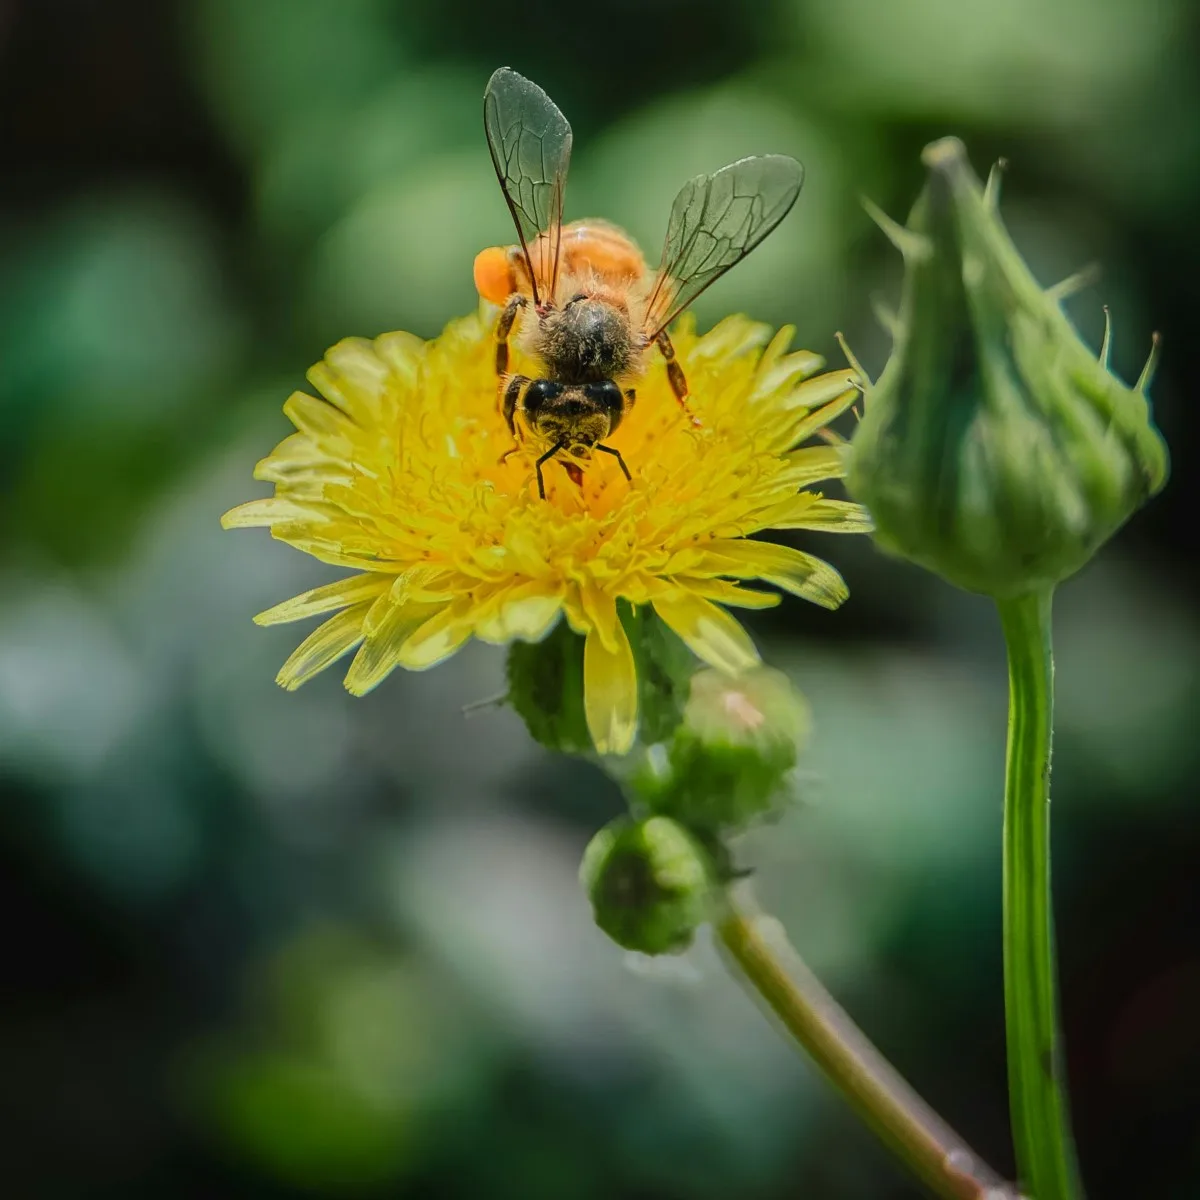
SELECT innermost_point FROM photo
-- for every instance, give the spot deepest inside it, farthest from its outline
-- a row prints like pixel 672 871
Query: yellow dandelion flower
pixel 397 473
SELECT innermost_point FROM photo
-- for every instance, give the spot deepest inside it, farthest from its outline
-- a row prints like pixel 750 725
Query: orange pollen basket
pixel 493 275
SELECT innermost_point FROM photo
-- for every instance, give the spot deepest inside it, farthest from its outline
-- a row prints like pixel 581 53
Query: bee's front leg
pixel 537 466
pixel 510 406
pixel 508 316
pixel 675 375
pixel 617 455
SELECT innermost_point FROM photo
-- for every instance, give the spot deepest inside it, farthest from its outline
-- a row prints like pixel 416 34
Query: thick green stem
pixel 881 1098
pixel 1037 1095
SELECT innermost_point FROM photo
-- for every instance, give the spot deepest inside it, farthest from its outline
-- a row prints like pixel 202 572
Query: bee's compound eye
pixel 538 392
pixel 607 394
pixel 493 275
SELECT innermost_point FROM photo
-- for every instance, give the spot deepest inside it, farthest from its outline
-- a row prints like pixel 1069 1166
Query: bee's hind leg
pixel 675 375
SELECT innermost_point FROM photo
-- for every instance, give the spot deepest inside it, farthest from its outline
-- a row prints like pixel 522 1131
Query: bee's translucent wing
pixel 530 141
pixel 716 220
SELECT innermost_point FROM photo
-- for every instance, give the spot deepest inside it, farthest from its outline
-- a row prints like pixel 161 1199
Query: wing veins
pixel 530 144
pixel 716 220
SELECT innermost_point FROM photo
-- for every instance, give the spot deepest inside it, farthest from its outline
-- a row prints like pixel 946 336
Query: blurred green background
pixel 255 944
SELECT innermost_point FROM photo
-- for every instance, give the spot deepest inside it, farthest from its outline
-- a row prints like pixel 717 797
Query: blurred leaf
pixel 632 173
pixel 1023 61
pixel 114 308
pixel 349 1049
pixel 272 63
pixel 324 163
pixel 299 1121
pixel 401 258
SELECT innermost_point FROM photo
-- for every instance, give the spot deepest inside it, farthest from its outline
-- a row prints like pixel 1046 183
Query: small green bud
pixel 545 682
pixel 995 449
pixel 650 883
pixel 731 758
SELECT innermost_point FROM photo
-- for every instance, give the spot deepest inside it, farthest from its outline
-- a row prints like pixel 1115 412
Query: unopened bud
pixel 650 883
pixel 732 757
pixel 995 449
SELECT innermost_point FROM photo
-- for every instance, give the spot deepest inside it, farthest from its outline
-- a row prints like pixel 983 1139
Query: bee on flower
pixel 594 319
pixel 423 466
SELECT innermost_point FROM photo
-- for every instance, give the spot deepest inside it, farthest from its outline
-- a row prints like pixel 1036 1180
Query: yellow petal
pixel 731 338
pixel 826 414
pixel 379 655
pixel 779 372
pixel 437 638
pixel 303 473
pixel 255 514
pixel 601 612
pixel 610 695
pixel 299 457
pixel 824 389
pixel 324 646
pixel 830 516
pixel 326 599
pixel 403 353
pixel 796 572
pixel 723 592
pixel 527 612
pixel 708 631
pixel 427 584
pixel 813 464
pixel 772 353
pixel 353 377
pixel 331 550
pixel 320 419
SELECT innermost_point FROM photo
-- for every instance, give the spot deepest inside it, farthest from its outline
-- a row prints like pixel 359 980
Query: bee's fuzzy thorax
pixel 585 341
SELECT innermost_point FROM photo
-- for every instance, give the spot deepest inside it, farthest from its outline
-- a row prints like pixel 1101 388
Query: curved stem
pixel 934 1153
pixel 1037 1096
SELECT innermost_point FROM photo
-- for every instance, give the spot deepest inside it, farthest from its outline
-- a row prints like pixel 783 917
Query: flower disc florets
pixel 397 474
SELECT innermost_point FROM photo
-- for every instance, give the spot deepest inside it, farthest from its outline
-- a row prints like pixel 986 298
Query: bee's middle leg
pixel 508 316
pixel 675 375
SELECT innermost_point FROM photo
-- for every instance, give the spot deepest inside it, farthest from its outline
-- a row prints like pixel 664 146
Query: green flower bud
pixel 651 884
pixel 545 682
pixel 731 759
pixel 995 449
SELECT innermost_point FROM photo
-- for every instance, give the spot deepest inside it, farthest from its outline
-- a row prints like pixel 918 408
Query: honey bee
pixel 590 307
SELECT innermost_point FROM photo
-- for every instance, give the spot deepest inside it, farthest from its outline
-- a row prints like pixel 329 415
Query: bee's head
pixel 585 341
pixel 578 416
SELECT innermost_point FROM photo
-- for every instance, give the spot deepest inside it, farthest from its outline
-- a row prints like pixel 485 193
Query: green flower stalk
pixel 999 452
pixel 654 877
